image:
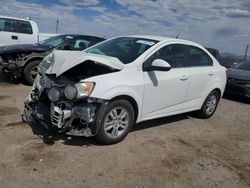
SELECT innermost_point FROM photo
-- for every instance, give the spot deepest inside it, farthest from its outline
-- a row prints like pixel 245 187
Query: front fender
pixel 125 82
pixel 137 95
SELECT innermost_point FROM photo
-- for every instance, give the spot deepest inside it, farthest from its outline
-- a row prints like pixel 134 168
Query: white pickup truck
pixel 20 31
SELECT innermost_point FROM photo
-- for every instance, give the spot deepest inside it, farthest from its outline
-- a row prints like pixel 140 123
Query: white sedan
pixel 107 88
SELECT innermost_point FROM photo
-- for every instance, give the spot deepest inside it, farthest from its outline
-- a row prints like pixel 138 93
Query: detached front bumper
pixel 73 117
pixel 75 120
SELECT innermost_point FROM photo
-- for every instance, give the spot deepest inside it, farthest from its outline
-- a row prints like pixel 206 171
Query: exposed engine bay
pixel 10 63
pixel 86 70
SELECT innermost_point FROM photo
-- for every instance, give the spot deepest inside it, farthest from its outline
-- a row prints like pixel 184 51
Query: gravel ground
pixel 177 151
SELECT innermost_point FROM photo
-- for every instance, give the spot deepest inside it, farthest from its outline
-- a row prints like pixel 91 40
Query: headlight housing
pixel 53 94
pixel 78 91
pixel 84 89
pixel 45 64
pixel 70 92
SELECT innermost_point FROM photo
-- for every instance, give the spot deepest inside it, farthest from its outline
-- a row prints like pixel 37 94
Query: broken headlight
pixel 53 94
pixel 84 89
pixel 70 92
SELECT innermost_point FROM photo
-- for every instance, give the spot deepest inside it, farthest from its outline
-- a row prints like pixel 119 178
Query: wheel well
pixel 33 59
pixel 132 102
pixel 218 90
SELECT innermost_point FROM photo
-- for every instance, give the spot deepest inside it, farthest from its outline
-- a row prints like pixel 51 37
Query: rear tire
pixel 115 122
pixel 30 71
pixel 210 105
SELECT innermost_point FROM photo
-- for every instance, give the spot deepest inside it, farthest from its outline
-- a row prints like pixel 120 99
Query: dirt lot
pixel 179 151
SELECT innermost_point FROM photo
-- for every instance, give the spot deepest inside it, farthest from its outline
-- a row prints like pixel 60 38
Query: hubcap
pixel 116 122
pixel 211 104
pixel 34 72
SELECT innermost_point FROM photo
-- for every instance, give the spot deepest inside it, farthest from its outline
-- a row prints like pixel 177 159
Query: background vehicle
pixel 238 80
pixel 20 31
pixel 22 60
pixel 105 89
pixel 216 54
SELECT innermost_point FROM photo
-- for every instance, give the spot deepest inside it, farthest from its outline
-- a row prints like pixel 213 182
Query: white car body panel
pixel 5 38
pixel 61 58
pixel 127 82
pixel 157 93
pixel 29 38
pixel 171 89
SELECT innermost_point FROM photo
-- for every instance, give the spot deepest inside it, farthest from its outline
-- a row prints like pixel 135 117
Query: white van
pixel 19 31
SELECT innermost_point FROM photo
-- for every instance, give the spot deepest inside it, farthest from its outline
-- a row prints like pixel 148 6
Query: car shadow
pixel 160 121
pixel 51 137
pixel 235 98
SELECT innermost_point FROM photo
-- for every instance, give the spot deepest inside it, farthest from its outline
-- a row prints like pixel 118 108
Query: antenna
pixel 57 22
pixel 245 56
pixel 177 36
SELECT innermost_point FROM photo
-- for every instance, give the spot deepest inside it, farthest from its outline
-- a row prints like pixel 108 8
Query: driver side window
pixel 174 54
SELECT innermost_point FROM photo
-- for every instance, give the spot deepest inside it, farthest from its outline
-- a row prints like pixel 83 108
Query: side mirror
pixel 157 65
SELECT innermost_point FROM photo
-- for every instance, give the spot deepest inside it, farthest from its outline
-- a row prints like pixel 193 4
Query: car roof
pixel 163 39
pixel 15 18
pixel 152 37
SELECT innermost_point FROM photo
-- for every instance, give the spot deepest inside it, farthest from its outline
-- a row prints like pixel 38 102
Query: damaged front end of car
pixel 11 64
pixel 60 97
pixel 56 107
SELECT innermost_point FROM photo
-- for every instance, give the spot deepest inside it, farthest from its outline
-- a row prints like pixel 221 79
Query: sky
pixel 221 24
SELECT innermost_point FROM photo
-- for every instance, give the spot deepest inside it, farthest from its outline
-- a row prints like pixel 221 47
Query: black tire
pixel 105 137
pixel 28 71
pixel 204 111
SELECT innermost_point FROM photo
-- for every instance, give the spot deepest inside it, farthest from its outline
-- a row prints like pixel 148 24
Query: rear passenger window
pixel 174 54
pixel 24 27
pixel 198 58
pixel 7 25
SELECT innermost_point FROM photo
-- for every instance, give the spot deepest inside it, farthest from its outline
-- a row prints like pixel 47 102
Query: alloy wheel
pixel 116 122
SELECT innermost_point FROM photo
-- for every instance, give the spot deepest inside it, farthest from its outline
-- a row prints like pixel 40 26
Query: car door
pixel 25 31
pixel 165 91
pixel 201 76
pixel 8 34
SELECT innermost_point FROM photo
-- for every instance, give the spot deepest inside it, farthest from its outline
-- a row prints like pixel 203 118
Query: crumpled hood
pixel 62 60
pixel 238 74
pixel 24 48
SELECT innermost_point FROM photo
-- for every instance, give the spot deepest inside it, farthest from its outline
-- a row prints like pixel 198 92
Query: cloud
pixel 214 23
pixel 80 2
pixel 237 13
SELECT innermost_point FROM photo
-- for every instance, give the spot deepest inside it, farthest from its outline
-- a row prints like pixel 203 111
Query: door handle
pixel 184 77
pixel 13 37
pixel 210 73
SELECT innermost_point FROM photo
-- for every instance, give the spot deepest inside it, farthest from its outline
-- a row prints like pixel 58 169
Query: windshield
pixel 126 49
pixel 55 41
pixel 244 66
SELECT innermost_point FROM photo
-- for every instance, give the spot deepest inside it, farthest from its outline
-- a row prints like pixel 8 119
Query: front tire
pixel 116 122
pixel 210 105
pixel 30 71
